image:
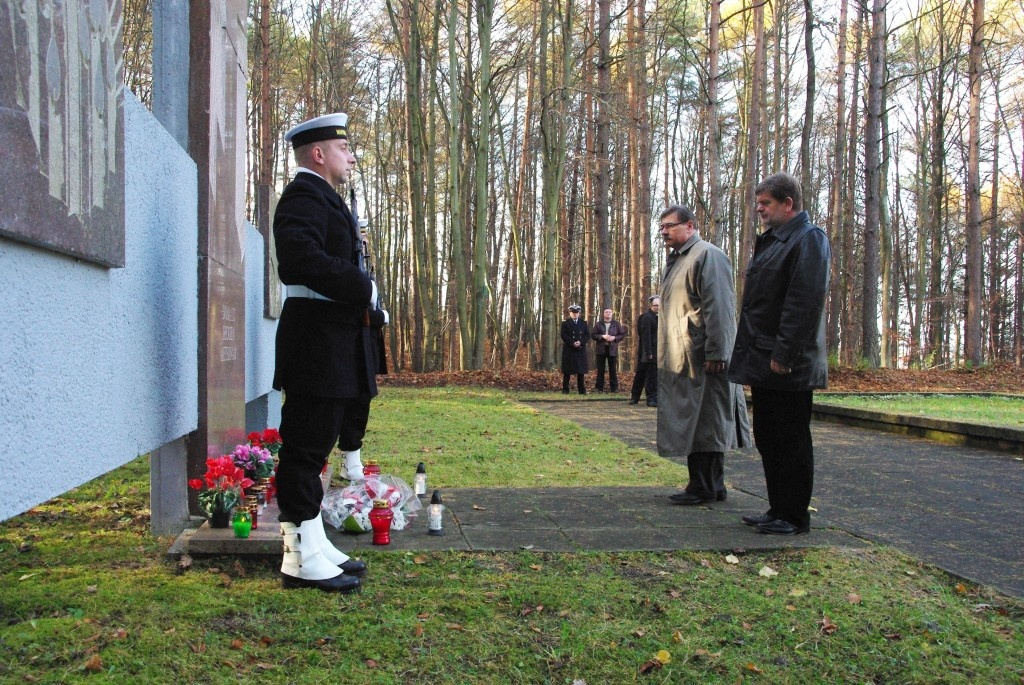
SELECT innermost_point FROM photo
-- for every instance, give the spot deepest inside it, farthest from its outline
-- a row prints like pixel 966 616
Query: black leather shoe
pixel 565 392
pixel 756 520
pixel 353 568
pixel 634 400
pixel 722 496
pixel 687 498
pixel 342 583
pixel 652 403
pixel 780 527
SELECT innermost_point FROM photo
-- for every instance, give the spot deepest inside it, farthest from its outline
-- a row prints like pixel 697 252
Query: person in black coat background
pixel 327 356
pixel 646 377
pixel 575 334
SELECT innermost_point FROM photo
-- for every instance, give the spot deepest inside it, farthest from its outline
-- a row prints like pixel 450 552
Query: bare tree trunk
pixel 808 127
pixel 601 161
pixel 752 167
pixel 872 169
pixel 456 208
pixel 716 202
pixel 973 349
pixel 837 205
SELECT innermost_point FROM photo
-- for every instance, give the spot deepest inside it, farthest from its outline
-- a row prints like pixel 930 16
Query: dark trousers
pixel 782 434
pixel 707 474
pixel 645 380
pixel 613 371
pixel 310 427
pixel 579 383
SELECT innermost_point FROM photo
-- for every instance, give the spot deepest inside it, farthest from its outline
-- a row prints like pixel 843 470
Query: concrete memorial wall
pixel 137 290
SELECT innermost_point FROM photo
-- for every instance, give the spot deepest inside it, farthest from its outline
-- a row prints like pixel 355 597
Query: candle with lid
pixel 380 520
pixel 371 468
pixel 435 515
pixel 419 482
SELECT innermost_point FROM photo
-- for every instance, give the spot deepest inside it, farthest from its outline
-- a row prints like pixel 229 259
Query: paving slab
pixel 954 506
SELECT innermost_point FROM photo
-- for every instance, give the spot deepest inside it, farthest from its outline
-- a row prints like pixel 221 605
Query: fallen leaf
pixel 265 667
pixel 225 580
pixel 198 648
pixel 639 632
pixel 579 681
pixel 27 576
pixel 536 567
pixel 526 611
pixel 677 636
pixel 418 630
pixel 239 569
pixel 747 626
pixel 675 594
pixel 893 637
pixel 651 665
pixel 853 598
pixel 810 508
pixel 790 607
pixel 797 592
pixel 705 563
pixel 528 511
pixel 479 508
pixel 827 626
pixel 120 634
pixel 185 562
pixel 664 656
pixel 371 663
pixel 423 617
pixel 91 589
pixel 732 559
pixel 454 626
pixel 767 572
pixel 753 668
pixel 94 664
pixel 961 588
pixel 266 641
pixel 419 559
pixel 237 644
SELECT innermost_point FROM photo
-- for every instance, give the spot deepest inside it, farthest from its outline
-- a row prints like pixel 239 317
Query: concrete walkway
pixel 960 508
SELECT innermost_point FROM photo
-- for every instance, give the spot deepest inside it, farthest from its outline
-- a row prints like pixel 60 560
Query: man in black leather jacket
pixel 780 349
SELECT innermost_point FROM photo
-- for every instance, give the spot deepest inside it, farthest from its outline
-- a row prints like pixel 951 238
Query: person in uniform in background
pixel 607 335
pixel 325 360
pixel 701 415
pixel 575 334
pixel 645 380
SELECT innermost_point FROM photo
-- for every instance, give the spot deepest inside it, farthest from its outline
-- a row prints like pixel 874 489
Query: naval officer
pixel 326 356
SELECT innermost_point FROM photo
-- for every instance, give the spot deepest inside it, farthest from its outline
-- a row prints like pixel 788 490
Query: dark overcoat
pixel 324 348
pixel 782 316
pixel 574 359
pixel 647 332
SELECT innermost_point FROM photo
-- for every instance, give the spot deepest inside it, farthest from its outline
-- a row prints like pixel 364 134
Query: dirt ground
pixel 1003 378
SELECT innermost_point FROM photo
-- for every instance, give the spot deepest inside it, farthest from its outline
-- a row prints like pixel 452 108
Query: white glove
pixel 387 319
pixel 373 295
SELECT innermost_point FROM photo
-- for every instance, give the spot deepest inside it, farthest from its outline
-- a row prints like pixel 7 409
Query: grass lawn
pixel 1001 411
pixel 87 595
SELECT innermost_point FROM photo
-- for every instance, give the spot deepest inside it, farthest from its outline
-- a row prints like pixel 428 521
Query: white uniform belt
pixel 303 291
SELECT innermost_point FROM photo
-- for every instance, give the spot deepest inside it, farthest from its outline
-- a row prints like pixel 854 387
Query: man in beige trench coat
pixel 701 415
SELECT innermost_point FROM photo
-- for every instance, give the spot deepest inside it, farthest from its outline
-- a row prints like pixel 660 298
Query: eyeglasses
pixel 665 227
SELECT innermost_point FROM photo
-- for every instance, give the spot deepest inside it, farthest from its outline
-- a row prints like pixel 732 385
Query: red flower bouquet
pixel 221 488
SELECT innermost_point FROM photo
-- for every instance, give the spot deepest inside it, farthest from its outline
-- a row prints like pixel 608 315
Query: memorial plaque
pixel 62 127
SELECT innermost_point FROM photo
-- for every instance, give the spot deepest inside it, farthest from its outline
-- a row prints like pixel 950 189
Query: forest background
pixel 514 157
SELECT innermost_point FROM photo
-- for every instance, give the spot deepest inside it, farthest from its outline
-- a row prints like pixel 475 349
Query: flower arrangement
pixel 221 488
pixel 269 440
pixel 257 462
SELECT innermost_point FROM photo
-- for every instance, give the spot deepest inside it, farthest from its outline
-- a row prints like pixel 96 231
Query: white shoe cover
pixel 303 557
pixel 330 552
pixel 353 465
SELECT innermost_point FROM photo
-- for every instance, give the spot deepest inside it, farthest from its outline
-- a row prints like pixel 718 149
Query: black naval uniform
pixel 327 351
pixel 574 359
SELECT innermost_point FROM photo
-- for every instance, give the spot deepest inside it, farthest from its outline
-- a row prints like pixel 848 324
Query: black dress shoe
pixel 634 401
pixel 781 527
pixel 342 583
pixel 722 496
pixel 652 403
pixel 686 498
pixel 353 568
pixel 756 520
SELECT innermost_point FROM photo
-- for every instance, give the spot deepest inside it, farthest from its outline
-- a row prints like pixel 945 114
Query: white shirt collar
pixel 303 169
